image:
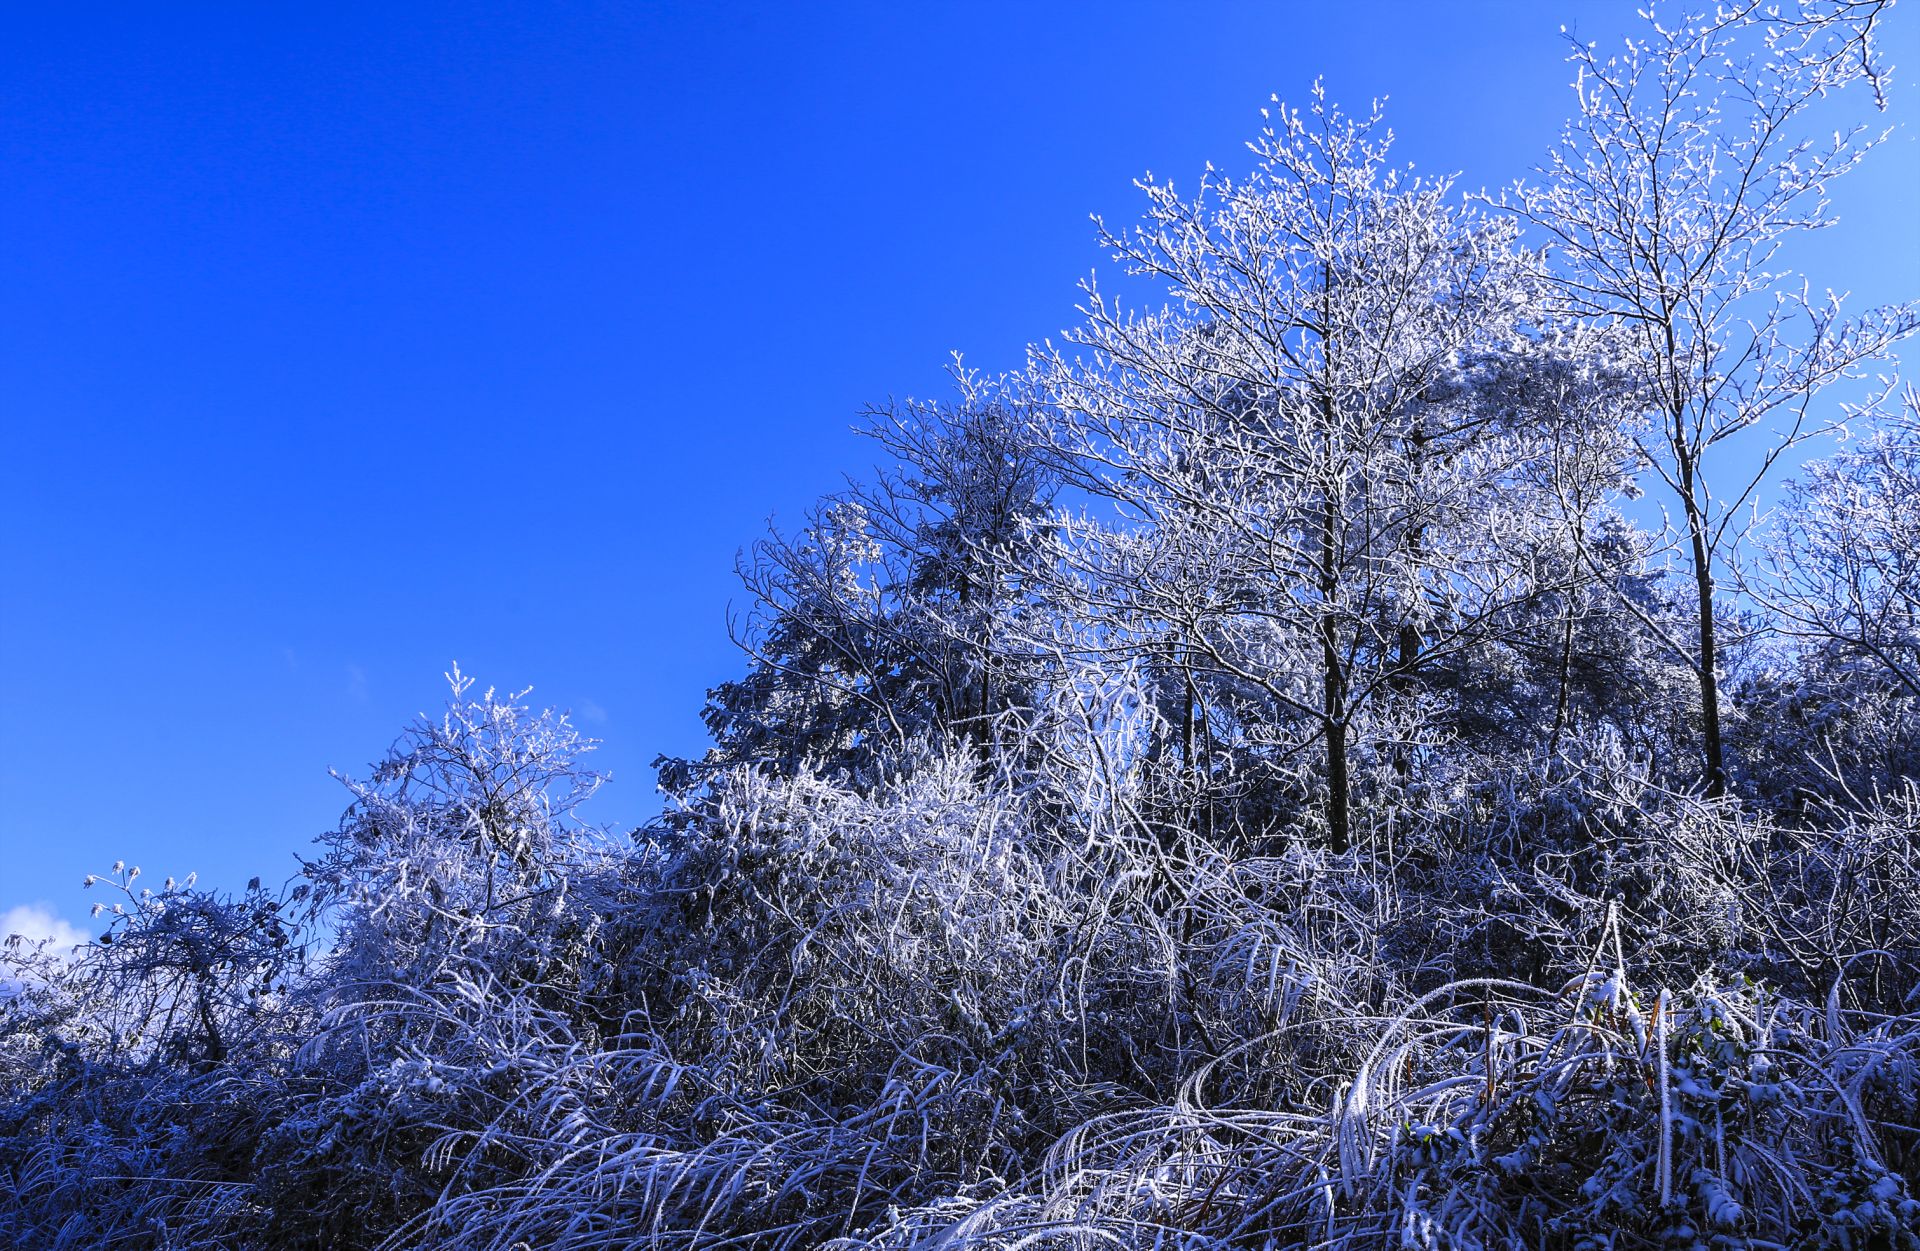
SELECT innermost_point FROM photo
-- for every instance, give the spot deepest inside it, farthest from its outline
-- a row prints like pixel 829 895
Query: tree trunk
pixel 216 1049
pixel 1408 643
pixel 1709 682
pixel 1186 715
pixel 1333 684
pixel 1560 701
pixel 1716 769
pixel 1339 837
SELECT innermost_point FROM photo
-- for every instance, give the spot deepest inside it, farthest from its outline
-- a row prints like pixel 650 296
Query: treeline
pixel 1255 777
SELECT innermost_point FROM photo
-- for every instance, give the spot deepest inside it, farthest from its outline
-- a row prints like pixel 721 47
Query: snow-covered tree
pixel 1690 165
pixel 1839 579
pixel 884 621
pixel 1844 556
pixel 1315 480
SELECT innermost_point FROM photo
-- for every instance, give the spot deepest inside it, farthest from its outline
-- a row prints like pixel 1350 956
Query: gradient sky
pixel 341 342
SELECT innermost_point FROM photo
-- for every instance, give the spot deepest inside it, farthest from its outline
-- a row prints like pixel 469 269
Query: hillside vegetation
pixel 1326 755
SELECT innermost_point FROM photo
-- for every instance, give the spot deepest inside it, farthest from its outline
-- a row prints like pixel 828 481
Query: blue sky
pixel 340 343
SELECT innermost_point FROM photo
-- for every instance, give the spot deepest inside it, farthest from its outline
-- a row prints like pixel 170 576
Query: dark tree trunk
pixel 1186 715
pixel 1561 699
pixel 1407 646
pixel 1334 683
pixel 1707 666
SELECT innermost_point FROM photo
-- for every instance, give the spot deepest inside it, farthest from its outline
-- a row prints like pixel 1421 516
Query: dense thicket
pixel 1254 778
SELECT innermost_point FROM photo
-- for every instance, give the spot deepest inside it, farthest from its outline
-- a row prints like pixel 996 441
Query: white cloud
pixel 35 922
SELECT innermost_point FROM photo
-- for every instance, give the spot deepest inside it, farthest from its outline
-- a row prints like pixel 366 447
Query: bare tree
pixel 1668 200
pixel 1843 558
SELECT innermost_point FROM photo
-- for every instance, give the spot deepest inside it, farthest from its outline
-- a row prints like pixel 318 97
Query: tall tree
pixel 1307 490
pixel 1686 169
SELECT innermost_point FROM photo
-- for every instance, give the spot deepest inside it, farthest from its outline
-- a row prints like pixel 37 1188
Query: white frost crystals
pixel 1240 782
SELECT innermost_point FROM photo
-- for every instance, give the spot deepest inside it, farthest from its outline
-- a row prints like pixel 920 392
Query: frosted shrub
pixel 1490 1113
pixel 127 1116
pixel 463 837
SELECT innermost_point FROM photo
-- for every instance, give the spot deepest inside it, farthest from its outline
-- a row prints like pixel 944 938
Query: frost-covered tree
pixel 1844 556
pixel 965 503
pixel 1315 485
pixel 462 838
pixel 884 620
pixel 139 1069
pixel 1839 578
pixel 1689 167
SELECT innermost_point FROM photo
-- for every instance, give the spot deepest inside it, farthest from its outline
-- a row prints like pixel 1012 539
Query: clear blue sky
pixel 340 342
